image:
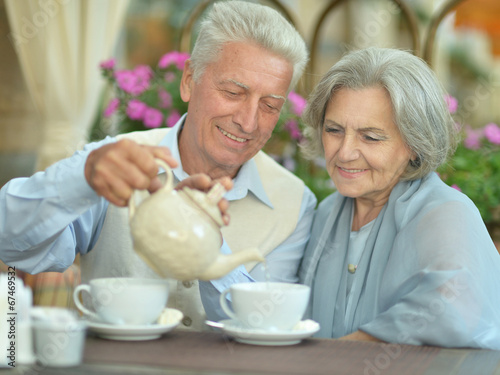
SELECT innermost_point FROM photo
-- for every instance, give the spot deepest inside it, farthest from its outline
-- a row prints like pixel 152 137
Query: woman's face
pixel 364 152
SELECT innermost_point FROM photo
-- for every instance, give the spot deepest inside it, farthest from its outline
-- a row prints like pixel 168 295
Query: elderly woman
pixel 395 254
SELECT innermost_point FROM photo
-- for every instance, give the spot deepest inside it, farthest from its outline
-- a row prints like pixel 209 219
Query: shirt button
pixel 187 284
pixel 187 321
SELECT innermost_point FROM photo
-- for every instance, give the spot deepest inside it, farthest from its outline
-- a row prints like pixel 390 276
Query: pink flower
pixel 473 138
pixel 289 163
pixel 298 103
pixel 143 75
pixel 108 64
pixel 454 186
pixel 173 58
pixel 135 81
pixel 136 109
pixel 492 133
pixel 152 118
pixel 169 77
pixel 293 128
pixel 143 72
pixel 112 107
pixel 172 118
pixel 452 103
pixel 165 99
pixel 126 80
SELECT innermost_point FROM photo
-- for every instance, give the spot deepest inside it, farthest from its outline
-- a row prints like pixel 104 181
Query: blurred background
pixel 53 94
pixel 464 51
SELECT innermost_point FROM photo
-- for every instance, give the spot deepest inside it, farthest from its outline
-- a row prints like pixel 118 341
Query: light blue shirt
pixel 45 220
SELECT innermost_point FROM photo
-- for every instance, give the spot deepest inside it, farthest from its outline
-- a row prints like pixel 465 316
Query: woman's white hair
pixel 419 107
pixel 241 21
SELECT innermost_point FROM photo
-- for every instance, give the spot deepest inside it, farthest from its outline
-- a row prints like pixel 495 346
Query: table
pixel 209 353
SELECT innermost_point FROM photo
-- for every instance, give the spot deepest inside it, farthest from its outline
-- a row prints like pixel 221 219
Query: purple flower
pixel 452 103
pixel 152 118
pixel 112 107
pixel 492 133
pixel 108 64
pixel 454 186
pixel 165 99
pixel 173 58
pixel 473 138
pixel 172 118
pixel 298 103
pixel 293 128
pixel 136 109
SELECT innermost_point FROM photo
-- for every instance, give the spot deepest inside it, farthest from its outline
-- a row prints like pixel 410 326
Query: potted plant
pixel 146 98
pixel 474 169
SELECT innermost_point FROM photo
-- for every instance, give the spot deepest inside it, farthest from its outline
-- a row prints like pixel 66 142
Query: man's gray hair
pixel 419 107
pixel 241 21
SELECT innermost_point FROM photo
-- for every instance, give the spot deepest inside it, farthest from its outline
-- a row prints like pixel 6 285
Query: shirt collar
pixel 247 179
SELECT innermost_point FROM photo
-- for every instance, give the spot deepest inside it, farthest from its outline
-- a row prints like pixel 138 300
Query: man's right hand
pixel 115 170
pixel 204 183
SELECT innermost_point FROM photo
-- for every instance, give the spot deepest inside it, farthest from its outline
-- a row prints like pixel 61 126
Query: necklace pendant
pixel 352 267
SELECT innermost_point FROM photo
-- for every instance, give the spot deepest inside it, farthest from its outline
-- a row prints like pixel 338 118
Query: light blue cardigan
pixel 429 273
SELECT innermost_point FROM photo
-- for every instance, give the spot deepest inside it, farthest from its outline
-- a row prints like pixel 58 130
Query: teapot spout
pixel 226 263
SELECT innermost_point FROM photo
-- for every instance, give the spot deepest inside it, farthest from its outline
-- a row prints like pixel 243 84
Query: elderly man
pixel 245 61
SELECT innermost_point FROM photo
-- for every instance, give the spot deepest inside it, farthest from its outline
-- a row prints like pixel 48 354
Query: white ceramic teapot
pixel 177 233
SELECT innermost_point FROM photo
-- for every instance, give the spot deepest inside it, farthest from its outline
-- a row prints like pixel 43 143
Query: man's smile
pixel 231 136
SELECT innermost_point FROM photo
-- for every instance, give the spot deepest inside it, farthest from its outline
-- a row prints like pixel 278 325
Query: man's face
pixel 233 108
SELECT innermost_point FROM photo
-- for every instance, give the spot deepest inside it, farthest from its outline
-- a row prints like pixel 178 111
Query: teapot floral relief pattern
pixel 177 233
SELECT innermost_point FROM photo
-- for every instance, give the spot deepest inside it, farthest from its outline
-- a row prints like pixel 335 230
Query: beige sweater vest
pixel 253 224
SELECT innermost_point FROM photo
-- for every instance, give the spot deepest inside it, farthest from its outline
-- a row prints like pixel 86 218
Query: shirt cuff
pixel 238 275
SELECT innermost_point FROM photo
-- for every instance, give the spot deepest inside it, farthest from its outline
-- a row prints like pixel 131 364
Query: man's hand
pixel 115 170
pixel 204 183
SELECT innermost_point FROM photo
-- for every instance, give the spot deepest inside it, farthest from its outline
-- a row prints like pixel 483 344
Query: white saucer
pixel 171 317
pixel 244 335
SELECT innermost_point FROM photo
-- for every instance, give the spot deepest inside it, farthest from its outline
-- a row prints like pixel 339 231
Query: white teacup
pixel 59 336
pixel 266 305
pixel 123 300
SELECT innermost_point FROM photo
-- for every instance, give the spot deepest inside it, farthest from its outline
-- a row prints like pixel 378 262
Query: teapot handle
pixel 167 187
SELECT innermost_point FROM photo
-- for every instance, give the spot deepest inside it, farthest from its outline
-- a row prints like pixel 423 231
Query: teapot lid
pixel 208 201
